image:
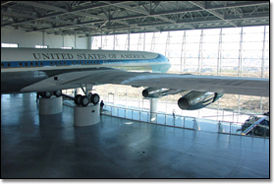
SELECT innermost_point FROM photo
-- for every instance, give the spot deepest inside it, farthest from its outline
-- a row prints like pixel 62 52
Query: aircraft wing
pixel 219 84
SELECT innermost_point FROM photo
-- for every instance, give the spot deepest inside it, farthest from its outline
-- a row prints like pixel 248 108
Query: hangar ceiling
pixel 91 18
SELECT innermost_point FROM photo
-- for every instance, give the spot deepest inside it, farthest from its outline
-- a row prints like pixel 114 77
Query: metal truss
pixel 91 18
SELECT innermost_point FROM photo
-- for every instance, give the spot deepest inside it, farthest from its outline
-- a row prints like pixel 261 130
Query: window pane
pixel 230 62
pixel 9 45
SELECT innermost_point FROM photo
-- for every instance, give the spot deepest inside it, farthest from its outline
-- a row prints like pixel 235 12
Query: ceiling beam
pixel 220 16
pixel 238 5
pixel 142 11
pixel 41 5
pixel 67 12
pixel 133 9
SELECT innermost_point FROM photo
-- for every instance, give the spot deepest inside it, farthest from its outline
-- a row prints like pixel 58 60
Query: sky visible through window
pixel 235 50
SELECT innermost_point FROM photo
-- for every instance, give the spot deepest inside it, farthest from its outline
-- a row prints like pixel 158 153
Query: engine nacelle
pixel 196 100
pixel 154 92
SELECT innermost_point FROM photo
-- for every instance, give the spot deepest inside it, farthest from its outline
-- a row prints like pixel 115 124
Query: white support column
pixel 153 109
pixel 86 116
pixel 51 105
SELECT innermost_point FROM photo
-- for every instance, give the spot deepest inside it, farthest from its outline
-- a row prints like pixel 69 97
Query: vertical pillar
pixel 200 53
pixel 114 43
pixel 153 42
pixel 74 40
pixel 43 38
pixel 143 41
pixel 181 52
pixel 167 46
pixel 89 42
pixel 153 109
pixel 240 68
pixel 128 41
pixel 101 39
pixel 105 41
pixel 139 44
pixel 219 62
pixel 262 67
pixel 63 40
pixel 263 54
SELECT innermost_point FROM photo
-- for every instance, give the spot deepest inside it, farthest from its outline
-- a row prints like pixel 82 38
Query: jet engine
pixel 196 100
pixel 154 92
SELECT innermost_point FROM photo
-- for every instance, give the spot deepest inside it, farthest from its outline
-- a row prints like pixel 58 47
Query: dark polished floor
pixel 34 146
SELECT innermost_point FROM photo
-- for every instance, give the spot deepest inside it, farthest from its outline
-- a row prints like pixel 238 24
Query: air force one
pixel 48 71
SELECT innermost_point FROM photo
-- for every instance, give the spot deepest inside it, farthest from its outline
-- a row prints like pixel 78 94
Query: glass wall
pixel 240 52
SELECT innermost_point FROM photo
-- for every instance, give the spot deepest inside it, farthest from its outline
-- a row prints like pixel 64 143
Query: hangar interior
pixel 229 38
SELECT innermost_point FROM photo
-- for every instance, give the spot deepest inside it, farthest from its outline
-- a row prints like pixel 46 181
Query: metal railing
pixel 186 122
pixel 155 117
pixel 178 121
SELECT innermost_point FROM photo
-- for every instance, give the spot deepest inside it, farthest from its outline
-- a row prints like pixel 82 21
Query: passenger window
pixel 31 63
pixel 9 64
pixel 2 65
pixel 20 64
pixel 26 64
pixel 41 63
pixel 55 63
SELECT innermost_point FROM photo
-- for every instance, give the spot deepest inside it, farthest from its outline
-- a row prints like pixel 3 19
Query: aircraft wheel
pixel 84 101
pixel 95 99
pixel 47 94
pixel 57 93
pixel 77 99
pixel 89 95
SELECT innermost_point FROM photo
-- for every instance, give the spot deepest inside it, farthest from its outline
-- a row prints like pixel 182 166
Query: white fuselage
pixel 24 66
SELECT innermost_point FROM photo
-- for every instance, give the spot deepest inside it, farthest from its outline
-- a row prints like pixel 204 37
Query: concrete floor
pixel 34 146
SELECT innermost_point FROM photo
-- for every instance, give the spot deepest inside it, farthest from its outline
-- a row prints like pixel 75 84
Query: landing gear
pixel 85 100
pixel 48 94
pixel 57 93
pixel 77 99
pixel 95 99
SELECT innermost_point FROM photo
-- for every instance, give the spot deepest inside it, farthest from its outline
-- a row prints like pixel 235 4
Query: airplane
pixel 49 71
